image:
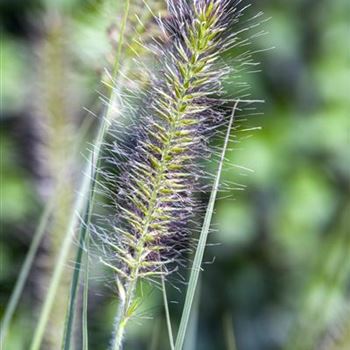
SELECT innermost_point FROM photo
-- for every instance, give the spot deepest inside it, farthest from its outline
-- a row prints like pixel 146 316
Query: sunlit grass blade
pixel 197 262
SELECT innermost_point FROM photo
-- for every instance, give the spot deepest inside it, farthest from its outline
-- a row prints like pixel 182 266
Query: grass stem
pixel 167 314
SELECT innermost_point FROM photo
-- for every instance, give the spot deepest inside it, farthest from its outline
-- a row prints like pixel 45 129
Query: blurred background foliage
pixel 280 279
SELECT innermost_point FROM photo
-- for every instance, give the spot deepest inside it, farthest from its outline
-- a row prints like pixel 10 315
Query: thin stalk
pixel 192 285
pixel 167 315
pixel 126 309
pixel 116 67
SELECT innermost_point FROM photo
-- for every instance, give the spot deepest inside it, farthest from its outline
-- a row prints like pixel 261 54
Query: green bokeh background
pixel 284 239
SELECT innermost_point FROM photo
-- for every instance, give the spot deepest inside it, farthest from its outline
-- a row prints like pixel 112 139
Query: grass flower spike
pixel 159 174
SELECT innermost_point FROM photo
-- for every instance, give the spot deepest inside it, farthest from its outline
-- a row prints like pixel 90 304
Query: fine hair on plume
pixel 152 170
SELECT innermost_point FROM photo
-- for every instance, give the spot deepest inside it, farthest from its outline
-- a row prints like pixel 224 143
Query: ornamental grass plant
pixel 135 133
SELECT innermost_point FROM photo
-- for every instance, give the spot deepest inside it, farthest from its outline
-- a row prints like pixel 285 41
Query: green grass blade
pixel 84 230
pixel 197 262
pixel 167 315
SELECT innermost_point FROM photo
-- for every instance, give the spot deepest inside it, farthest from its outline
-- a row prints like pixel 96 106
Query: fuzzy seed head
pixel 159 173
